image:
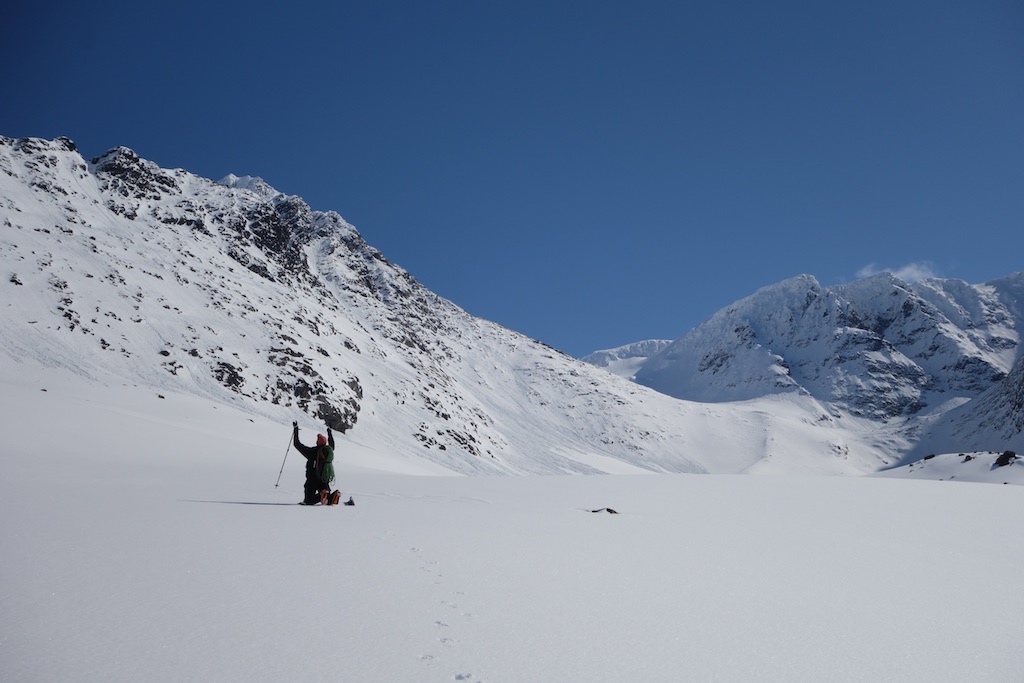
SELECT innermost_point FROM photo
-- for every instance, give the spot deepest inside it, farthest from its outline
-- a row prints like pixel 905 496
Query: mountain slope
pixel 126 273
pixel 994 421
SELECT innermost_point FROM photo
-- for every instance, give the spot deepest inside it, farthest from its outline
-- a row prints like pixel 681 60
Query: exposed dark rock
pixel 1005 459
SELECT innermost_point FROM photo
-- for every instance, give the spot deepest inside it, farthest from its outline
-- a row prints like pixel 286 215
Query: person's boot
pixel 325 497
pixel 335 497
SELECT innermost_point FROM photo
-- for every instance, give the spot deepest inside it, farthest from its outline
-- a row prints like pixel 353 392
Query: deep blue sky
pixel 587 173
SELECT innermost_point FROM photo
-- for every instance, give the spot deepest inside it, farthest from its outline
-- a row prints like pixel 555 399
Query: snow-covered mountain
pixel 879 348
pixel 126 273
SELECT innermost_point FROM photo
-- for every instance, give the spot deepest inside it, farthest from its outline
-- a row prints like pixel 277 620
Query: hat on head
pixel 321 439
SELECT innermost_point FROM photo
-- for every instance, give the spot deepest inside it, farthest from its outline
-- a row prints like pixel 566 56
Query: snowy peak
pixel 878 347
pixel 730 357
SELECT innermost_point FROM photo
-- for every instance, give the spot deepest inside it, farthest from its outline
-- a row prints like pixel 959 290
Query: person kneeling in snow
pixel 319 468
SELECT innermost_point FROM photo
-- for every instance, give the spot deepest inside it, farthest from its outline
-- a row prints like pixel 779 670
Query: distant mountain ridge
pixel 121 271
pixel 624 361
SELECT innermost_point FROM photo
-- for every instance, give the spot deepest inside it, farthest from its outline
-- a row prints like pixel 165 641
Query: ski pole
pixel 284 461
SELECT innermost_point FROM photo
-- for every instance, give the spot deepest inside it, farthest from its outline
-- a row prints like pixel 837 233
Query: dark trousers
pixel 312 490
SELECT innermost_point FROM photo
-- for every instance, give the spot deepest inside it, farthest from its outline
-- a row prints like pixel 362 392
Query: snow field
pixel 143 538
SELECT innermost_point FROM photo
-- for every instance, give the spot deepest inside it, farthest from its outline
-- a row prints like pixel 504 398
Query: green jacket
pixel 326 460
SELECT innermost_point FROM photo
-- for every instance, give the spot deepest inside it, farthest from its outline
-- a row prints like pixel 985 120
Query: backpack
pixel 325 461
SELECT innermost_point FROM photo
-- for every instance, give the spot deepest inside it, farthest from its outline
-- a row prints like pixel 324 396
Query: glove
pixel 295 426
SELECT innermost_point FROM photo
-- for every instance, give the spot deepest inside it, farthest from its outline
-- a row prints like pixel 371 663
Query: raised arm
pixel 306 451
